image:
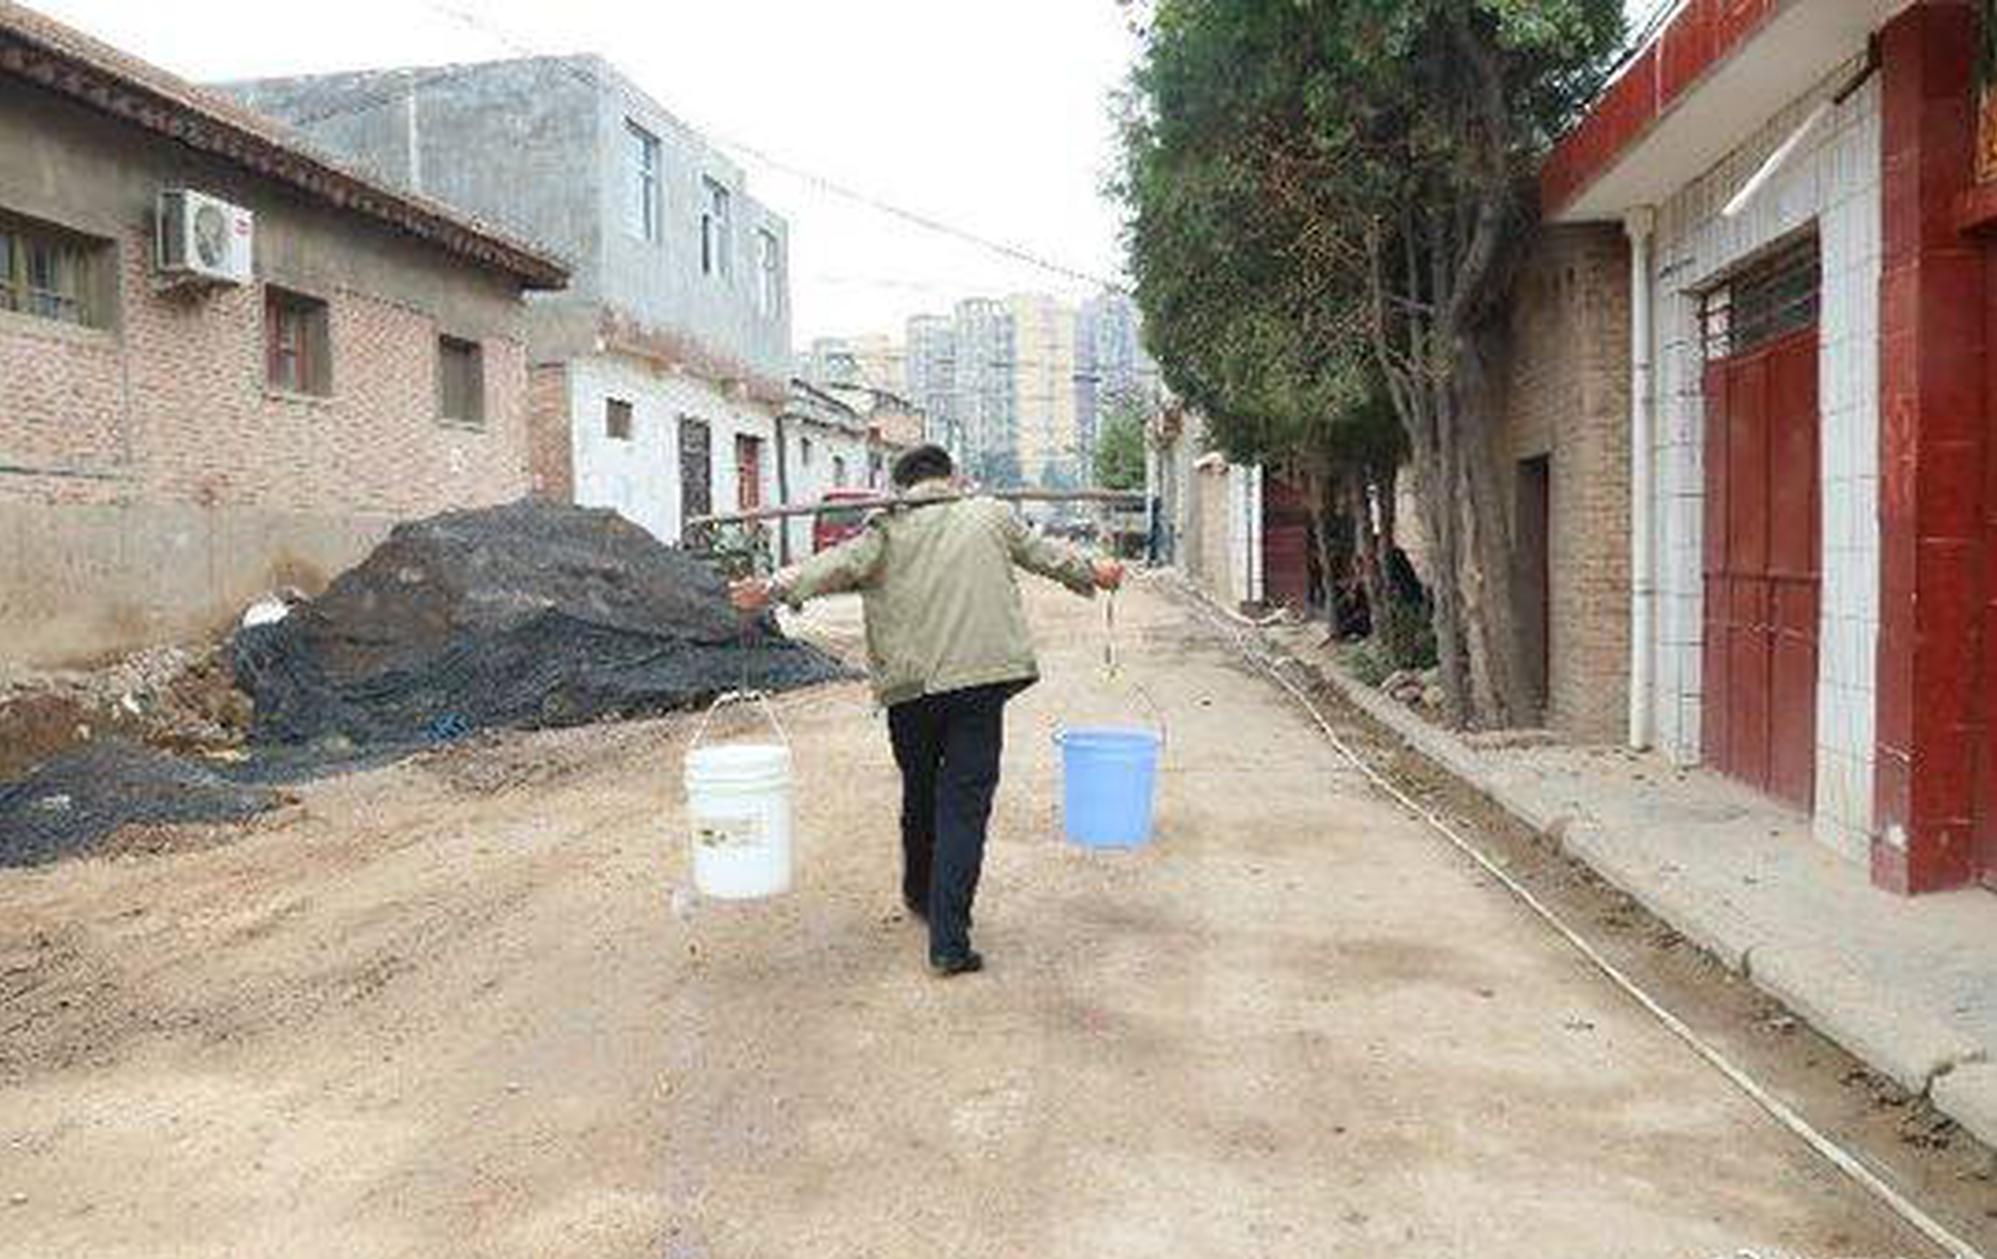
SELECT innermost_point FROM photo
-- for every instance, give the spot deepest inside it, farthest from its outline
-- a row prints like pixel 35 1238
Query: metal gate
pixel 1761 562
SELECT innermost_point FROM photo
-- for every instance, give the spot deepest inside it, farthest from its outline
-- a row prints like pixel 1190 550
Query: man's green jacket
pixel 935 576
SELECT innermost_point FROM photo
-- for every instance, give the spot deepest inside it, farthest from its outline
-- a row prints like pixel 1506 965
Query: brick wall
pixel 550 457
pixel 1567 399
pixel 150 480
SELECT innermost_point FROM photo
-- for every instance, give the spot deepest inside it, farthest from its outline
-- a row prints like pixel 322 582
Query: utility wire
pixel 929 222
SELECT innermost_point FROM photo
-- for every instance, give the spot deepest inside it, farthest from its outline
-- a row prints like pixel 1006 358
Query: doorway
pixel 696 470
pixel 748 473
pixel 1533 547
pixel 1761 560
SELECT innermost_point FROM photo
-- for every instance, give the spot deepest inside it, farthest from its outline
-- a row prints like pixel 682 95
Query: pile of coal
pixel 524 615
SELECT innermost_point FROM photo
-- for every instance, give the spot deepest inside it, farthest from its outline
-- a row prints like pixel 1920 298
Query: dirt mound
pixel 530 614
pixel 75 801
pixel 176 697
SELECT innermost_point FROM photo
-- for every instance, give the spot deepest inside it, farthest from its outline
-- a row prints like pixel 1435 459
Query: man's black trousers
pixel 947 746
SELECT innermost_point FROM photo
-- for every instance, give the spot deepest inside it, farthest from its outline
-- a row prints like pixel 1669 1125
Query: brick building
pixel 658 372
pixel 1814 498
pixel 1564 444
pixel 170 449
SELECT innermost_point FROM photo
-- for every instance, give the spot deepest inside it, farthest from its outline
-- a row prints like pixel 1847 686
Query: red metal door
pixel 1286 544
pixel 1761 566
pixel 748 473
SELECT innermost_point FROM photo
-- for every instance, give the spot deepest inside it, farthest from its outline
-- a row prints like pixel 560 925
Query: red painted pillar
pixel 1932 420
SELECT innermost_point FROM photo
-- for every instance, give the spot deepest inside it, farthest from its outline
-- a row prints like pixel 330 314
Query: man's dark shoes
pixel 944 965
pixel 916 909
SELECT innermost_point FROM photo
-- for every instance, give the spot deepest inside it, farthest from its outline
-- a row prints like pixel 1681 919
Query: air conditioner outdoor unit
pixel 204 238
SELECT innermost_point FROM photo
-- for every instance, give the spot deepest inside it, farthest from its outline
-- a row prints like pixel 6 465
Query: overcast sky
pixel 992 117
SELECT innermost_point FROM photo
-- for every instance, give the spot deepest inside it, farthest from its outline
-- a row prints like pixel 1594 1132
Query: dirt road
pixel 454 1008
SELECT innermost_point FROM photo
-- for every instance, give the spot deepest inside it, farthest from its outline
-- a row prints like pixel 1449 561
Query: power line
pixel 927 221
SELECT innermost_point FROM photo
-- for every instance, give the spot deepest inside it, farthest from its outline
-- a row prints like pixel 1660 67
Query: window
pixel 769 273
pixel 839 470
pixel 1769 298
pixel 641 208
pixel 50 273
pixel 460 381
pixel 804 451
pixel 297 348
pixel 714 231
pixel 617 419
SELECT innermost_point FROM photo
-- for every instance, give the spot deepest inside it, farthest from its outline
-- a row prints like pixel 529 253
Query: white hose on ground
pixel 1783 1113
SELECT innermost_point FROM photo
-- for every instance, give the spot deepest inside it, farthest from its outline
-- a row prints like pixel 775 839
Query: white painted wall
pixel 810 480
pixel 1834 179
pixel 640 478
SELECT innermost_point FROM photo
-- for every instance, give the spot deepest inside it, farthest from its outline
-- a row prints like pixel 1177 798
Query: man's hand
pixel 751 594
pixel 1109 574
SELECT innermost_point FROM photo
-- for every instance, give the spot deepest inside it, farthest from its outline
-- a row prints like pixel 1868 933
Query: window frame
pixel 474 387
pixel 315 347
pixel 614 410
pixel 643 185
pixel 91 300
pixel 769 273
pixel 716 212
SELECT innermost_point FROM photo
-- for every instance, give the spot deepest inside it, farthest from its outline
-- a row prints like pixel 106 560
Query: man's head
pixel 924 463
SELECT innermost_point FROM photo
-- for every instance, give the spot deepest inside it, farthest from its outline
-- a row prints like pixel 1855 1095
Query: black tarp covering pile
pixel 72 802
pixel 530 614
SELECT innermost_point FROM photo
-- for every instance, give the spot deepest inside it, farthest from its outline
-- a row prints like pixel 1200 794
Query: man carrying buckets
pixel 947 646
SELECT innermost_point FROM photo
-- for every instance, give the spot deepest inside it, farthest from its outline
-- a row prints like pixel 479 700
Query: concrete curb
pixel 1920 1053
pixel 1968 1095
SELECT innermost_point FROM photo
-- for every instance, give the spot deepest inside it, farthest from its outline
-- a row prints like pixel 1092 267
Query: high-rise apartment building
pixel 1043 387
pixel 985 403
pixel 1112 367
pixel 930 372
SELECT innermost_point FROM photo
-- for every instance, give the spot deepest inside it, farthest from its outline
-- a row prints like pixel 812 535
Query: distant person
pixel 947 646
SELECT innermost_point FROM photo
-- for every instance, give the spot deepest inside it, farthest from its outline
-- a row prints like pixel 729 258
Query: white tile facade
pixel 640 477
pixel 1833 180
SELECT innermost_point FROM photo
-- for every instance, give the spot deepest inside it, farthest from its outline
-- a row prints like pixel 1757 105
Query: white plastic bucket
pixel 738 803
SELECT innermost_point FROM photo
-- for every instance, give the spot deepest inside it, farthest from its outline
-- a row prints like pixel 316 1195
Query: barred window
pixel 1765 300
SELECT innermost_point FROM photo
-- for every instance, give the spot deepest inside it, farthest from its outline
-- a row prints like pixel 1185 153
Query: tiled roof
pixel 59 59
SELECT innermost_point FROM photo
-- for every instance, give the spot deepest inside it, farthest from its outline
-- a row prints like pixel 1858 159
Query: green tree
pixel 1327 200
pixel 1120 452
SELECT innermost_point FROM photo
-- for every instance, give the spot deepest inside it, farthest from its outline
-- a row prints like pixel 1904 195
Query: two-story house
pixel 228 361
pixel 656 377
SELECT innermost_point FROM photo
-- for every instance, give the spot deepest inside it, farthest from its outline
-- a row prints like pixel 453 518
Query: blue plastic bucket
pixel 1109 779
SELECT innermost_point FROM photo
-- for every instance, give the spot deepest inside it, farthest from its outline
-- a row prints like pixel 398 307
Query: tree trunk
pixel 1387 485
pixel 1490 594
pixel 1371 559
pixel 1437 503
pixel 1315 489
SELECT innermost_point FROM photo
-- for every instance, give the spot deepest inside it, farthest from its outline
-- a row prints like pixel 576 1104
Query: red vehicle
pixel 830 528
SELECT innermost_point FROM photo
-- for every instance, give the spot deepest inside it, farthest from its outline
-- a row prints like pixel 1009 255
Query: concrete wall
pixel 151 479
pixel 640 477
pixel 1567 399
pixel 810 481
pixel 1833 183
pixel 538 144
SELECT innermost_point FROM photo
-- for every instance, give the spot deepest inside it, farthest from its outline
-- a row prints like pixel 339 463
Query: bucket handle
pixel 1138 689
pixel 728 698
